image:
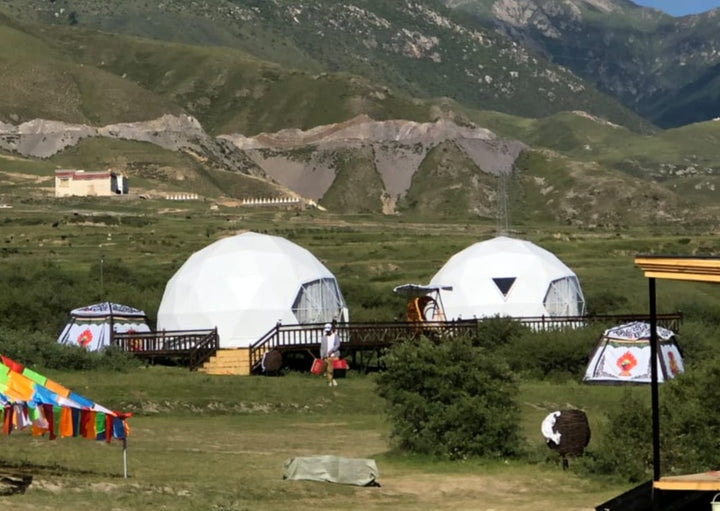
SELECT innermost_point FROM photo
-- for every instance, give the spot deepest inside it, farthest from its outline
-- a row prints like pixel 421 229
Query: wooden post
pixel 125 472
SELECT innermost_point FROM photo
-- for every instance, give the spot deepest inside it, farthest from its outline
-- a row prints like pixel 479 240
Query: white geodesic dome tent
pixel 508 277
pixel 245 284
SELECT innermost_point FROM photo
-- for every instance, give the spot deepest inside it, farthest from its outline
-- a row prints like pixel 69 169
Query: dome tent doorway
pixel 508 277
pixel 424 302
pixel 245 284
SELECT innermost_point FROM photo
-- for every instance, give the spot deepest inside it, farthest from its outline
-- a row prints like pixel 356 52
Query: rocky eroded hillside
pixel 302 161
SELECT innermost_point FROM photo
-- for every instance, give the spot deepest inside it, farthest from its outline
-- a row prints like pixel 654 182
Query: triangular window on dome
pixel 504 284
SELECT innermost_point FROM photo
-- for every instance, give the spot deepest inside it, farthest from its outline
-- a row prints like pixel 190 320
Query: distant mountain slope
pixel 419 48
pixel 424 171
pixel 39 81
pixel 74 75
pixel 666 69
pixel 220 122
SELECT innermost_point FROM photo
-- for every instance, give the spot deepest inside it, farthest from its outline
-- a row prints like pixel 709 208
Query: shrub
pixel 689 429
pixel 689 423
pixel 498 331
pixel 606 302
pixel 39 296
pixel 38 350
pixel 625 449
pixel 697 341
pixel 699 311
pixel 450 400
pixel 556 354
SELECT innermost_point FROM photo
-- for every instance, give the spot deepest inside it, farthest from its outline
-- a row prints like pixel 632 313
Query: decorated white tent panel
pixel 508 277
pixel 91 326
pixel 245 284
pixel 622 355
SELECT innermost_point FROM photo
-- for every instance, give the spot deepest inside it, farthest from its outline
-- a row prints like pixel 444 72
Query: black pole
pixel 102 284
pixel 654 388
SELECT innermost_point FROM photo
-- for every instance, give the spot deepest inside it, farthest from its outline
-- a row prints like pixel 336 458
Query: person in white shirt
pixel 329 352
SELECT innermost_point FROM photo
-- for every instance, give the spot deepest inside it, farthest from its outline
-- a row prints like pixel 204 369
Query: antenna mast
pixel 503 219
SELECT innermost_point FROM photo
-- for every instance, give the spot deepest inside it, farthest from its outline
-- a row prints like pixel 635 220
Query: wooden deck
pixel 361 343
pixel 191 348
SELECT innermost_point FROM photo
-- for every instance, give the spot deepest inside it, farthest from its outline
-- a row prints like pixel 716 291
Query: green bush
pixel 38 350
pixel 689 422
pixel 555 354
pixel 450 400
pixel 689 429
pixel 40 296
pixel 697 341
pixel 699 311
pixel 606 302
pixel 372 302
pixel 625 448
pixel 498 331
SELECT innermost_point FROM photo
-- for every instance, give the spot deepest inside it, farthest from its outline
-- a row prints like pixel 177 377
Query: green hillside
pixel 683 160
pixel 662 67
pixel 100 78
pixel 421 49
pixel 70 73
pixel 40 80
pixel 450 185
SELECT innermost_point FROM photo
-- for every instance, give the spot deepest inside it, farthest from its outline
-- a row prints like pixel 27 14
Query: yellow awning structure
pixel 689 268
pixel 698 269
pixel 704 481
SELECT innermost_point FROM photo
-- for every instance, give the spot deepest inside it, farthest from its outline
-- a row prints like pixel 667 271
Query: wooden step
pixel 229 361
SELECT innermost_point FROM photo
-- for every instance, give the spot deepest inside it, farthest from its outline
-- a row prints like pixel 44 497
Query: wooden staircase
pixel 229 361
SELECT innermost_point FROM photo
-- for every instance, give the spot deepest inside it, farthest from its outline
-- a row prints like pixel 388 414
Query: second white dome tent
pixel 508 277
pixel 245 284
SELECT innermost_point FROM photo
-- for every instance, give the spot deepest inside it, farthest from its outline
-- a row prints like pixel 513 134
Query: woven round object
pixel 570 432
pixel 272 361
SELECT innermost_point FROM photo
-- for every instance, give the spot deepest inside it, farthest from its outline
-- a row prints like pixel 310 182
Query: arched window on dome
pixel 564 298
pixel 318 301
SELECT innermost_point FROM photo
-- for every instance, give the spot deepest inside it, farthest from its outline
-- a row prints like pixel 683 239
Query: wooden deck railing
pixel 376 335
pixel 197 346
pixel 671 321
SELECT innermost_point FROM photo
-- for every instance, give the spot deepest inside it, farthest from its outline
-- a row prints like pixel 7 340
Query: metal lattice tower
pixel 503 217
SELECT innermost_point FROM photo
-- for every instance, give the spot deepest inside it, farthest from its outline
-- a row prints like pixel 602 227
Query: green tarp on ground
pixel 332 469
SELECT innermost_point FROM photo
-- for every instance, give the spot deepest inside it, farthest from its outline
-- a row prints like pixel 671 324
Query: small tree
pixel 450 399
pixel 689 428
pixel 626 447
pixel 689 423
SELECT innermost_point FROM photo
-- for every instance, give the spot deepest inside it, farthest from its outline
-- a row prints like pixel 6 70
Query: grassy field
pixel 200 442
pixel 369 254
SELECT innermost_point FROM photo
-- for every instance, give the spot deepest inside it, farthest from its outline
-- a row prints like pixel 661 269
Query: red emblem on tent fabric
pixel 674 369
pixel 85 338
pixel 626 363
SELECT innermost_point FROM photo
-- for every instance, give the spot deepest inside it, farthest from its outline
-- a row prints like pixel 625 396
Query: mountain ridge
pixel 421 49
pixel 239 126
pixel 645 58
pixel 394 167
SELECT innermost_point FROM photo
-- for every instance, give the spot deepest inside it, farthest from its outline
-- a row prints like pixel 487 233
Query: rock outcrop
pixel 302 161
pixel 399 149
